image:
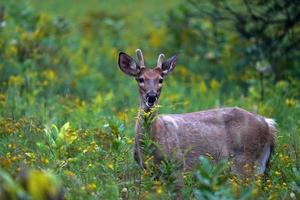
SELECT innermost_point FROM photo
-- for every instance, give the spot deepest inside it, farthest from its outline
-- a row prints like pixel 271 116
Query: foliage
pixel 209 179
pixel 67 110
pixel 234 40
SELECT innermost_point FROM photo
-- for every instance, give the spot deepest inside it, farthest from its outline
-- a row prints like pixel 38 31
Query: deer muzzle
pixel 151 98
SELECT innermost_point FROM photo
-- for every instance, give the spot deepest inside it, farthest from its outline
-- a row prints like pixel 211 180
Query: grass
pixel 68 113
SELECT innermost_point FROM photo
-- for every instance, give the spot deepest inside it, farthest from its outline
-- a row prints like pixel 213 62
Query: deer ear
pixel 169 65
pixel 128 65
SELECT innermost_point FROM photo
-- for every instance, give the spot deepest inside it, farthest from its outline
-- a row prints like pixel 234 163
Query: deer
pixel 230 132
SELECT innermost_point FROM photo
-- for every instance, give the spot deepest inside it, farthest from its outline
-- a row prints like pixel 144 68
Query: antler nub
pixel 160 60
pixel 140 57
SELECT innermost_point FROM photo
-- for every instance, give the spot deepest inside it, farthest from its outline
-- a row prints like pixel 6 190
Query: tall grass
pixel 68 112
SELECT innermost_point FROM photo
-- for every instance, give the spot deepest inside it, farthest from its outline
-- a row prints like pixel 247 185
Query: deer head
pixel 149 80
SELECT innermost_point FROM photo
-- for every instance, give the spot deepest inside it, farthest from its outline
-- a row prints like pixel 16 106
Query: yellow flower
pixel 45 161
pixel 182 70
pixel 83 71
pixel 49 74
pixel 254 192
pixel 11 51
pixel 16 80
pixel 113 52
pixel 159 190
pixel 202 87
pixel 98 100
pixel 110 166
pixel 146 173
pixel 91 187
pixel 209 156
pixel 156 36
pixel 284 184
pixel 122 116
pixel 70 137
pixel 42 184
pixel 38 34
pixel 277 173
pixel 214 85
pixel 129 141
pixel 69 173
pixel 290 102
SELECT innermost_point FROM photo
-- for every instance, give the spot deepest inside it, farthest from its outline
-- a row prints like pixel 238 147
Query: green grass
pixel 67 110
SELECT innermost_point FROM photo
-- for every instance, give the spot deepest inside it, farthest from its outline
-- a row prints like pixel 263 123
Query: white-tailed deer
pixel 248 139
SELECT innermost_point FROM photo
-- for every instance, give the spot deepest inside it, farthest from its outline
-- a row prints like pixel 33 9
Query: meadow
pixel 67 113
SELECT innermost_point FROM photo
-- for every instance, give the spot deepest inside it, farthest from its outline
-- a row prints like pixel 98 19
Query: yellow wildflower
pixel 277 173
pixel 182 70
pixel 91 187
pixel 44 161
pixel 156 36
pixel 83 71
pixel 113 52
pixel 38 34
pixel 110 166
pixel 122 116
pixel 49 74
pixel 16 80
pixel 69 173
pixel 254 192
pixel 202 87
pixel 42 184
pixel 11 51
pixel 98 100
pixel 129 141
pixel 159 190
pixel 284 184
pixel 214 85
pixel 290 102
pixel 146 173
pixel 2 98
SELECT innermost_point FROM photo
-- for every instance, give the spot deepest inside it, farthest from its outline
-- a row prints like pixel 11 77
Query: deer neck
pixel 143 123
pixel 144 118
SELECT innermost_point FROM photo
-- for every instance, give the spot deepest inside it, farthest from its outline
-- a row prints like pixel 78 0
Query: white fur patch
pixel 165 72
pixel 271 122
pixel 133 65
pixel 264 157
pixel 170 119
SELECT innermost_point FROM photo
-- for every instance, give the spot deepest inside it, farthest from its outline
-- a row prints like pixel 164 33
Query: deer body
pixel 222 133
pixel 219 133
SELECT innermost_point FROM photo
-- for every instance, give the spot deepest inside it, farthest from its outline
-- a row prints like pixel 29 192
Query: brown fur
pixel 221 133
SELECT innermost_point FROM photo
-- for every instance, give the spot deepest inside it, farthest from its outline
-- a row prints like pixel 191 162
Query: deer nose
pixel 151 97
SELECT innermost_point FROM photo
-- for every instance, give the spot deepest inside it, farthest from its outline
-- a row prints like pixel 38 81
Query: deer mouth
pixel 150 101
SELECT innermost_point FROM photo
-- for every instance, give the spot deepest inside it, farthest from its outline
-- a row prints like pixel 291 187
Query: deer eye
pixel 161 80
pixel 141 80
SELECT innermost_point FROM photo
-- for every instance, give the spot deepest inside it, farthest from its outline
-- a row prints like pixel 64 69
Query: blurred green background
pixel 58 68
